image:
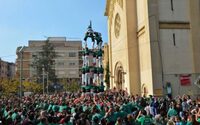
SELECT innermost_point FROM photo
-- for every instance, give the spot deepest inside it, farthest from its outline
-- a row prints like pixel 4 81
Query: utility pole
pixel 43 79
pixel 21 59
pixel 47 83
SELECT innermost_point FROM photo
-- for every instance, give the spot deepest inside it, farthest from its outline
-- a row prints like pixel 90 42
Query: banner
pixel 185 79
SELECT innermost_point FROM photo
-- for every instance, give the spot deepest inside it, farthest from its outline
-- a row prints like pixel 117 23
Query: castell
pixel 92 67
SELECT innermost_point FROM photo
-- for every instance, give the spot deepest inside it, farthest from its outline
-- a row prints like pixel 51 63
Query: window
pixel 72 54
pixel 60 63
pixel 33 56
pixel 174 39
pixel 117 25
pixel 61 54
pixel 72 63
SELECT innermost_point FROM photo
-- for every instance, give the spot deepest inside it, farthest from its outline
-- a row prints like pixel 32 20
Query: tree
pixel 12 87
pixel 107 76
pixel 45 62
pixel 31 87
pixel 9 87
pixel 70 85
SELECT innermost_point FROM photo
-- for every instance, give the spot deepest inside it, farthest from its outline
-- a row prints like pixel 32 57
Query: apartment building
pixel 7 69
pixel 67 62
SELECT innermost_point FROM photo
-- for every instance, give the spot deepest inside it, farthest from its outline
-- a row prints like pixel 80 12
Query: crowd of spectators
pixel 110 107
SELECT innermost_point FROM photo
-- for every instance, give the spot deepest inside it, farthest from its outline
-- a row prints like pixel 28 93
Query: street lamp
pixel 43 80
pixel 21 59
pixel 47 83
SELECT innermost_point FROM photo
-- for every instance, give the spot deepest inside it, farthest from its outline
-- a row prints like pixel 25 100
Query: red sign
pixel 185 79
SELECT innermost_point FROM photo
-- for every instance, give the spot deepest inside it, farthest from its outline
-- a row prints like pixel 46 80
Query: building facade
pixel 7 69
pixel 106 64
pixel 67 62
pixel 154 45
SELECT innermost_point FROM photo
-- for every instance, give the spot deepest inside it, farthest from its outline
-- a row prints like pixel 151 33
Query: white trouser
pixel 93 45
pixel 87 60
pixel 83 57
pixel 83 79
pixel 86 78
pixel 95 78
pixel 94 61
pixel 99 45
pixel 101 79
pixel 99 61
pixel 85 44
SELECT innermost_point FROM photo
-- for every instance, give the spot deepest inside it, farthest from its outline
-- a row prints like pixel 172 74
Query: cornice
pixel 106 13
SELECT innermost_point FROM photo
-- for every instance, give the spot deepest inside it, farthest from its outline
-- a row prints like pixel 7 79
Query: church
pixel 154 46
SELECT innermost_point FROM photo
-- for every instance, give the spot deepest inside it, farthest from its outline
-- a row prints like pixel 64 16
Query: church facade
pixel 154 46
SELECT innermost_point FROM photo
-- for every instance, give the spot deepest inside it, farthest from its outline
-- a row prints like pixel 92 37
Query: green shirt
pixel 61 108
pixel 189 123
pixel 52 124
pixel 14 115
pixel 5 114
pixel 145 120
pixel 69 123
pixel 49 108
pixel 99 116
pixel 55 108
pixel 41 123
pixel 183 123
pixel 198 120
pixel 171 112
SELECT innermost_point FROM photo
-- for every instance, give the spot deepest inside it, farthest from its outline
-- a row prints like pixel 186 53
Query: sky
pixel 24 20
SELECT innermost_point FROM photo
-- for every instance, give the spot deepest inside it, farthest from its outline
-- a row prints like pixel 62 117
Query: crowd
pixel 110 107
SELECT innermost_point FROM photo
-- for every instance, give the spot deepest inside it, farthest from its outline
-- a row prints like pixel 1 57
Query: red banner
pixel 185 79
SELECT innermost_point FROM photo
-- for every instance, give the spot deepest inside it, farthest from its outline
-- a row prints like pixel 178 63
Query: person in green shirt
pixel 171 112
pixel 98 39
pixel 192 120
pixel 110 116
pixel 143 118
pixel 14 115
pixel 62 107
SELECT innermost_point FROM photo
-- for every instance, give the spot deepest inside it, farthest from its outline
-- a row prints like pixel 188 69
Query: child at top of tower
pixel 89 33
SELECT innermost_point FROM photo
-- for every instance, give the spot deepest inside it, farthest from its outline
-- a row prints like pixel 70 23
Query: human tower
pixel 92 69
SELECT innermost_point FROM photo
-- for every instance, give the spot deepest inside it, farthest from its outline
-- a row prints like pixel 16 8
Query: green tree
pixel 9 87
pixel 73 86
pixel 107 76
pixel 32 87
pixel 45 61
